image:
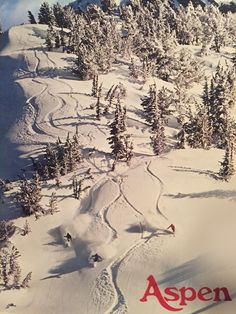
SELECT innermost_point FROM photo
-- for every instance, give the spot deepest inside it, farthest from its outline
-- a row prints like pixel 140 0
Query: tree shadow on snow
pixel 208 307
pixel 139 228
pixel 184 271
pixel 209 173
pixel 221 194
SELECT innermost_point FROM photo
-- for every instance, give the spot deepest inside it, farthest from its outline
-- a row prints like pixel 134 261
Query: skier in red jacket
pixel 172 227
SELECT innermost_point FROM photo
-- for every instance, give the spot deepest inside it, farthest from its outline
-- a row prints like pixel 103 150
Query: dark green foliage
pixel 227 165
pixel 31 18
pixel 45 15
pixel 29 196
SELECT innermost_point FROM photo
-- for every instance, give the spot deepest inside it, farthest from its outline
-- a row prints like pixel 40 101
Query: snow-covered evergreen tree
pixel 53 206
pixel 98 103
pixel 29 196
pixel 134 72
pixel 220 101
pixel 158 139
pixel 7 229
pixel 10 272
pixel 149 104
pixel 227 165
pixel 95 86
pixel 120 141
pixel 198 130
pixel 26 229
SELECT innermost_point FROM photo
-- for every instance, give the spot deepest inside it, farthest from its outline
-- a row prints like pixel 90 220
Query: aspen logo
pixel 183 295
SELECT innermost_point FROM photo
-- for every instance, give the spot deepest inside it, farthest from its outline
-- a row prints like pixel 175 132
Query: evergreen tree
pixel 198 129
pixel 134 72
pixel 158 139
pixel 7 230
pixel 29 196
pixel 49 38
pixel 227 165
pixel 53 207
pixel 59 15
pixel 181 139
pixel 45 15
pixel 98 108
pixel 57 41
pixel 220 100
pixel 149 104
pixel 164 101
pixel 119 140
pixel 95 86
pixel 10 272
pixel 26 229
pixel 31 18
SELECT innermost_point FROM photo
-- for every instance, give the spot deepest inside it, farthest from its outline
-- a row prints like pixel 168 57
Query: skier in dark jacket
pixel 96 258
pixel 68 237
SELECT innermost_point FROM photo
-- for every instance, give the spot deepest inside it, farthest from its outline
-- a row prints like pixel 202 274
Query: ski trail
pixel 106 220
pixel 104 211
pixel 36 69
pixel 119 305
pixel 31 102
pixel 161 190
pixel 50 115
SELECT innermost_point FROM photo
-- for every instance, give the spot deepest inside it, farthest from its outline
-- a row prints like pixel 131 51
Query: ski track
pixel 49 118
pixel 105 220
pixel 119 304
pixel 161 190
pixel 31 102
pixel 36 69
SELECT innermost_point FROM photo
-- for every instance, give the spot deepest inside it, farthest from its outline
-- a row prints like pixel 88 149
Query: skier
pixel 94 259
pixel 68 238
pixel 172 227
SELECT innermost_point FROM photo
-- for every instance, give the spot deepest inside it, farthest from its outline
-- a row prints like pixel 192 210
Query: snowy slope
pixel 124 215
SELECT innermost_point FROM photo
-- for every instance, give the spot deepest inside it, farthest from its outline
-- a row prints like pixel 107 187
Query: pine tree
pixel 227 165
pixel 25 282
pixel 53 207
pixel 181 139
pixel 29 196
pixel 7 230
pixel 57 42
pixel 149 104
pixel 48 40
pixel 134 73
pixel 57 173
pixel 31 18
pixel 26 229
pixel 220 100
pixel 10 274
pixel 198 130
pixel 95 86
pixel 164 101
pixel 119 140
pixel 158 139
pixel 59 15
pixel 45 15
